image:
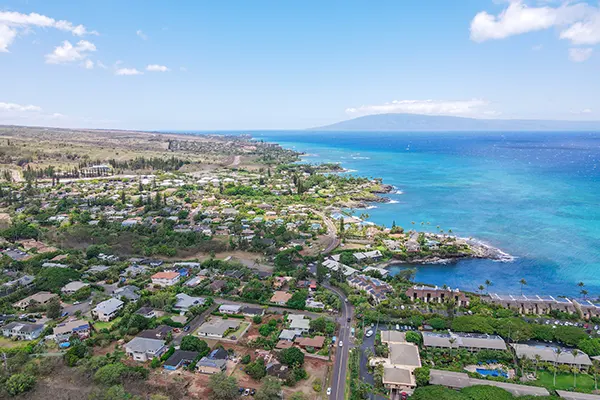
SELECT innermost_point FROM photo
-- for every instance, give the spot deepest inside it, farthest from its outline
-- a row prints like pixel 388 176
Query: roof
pixel 144 310
pixel 299 322
pixel 74 286
pixel 287 334
pixel 209 362
pixel 40 297
pixel 218 354
pixel 230 307
pixel 284 344
pixel 159 332
pixel 71 326
pixel 181 355
pixel 393 337
pixel 109 306
pixel 317 341
pixel 186 301
pixel 218 326
pixel 165 275
pixel 143 345
pixel 470 340
pixel 548 353
pixel 460 380
pixel 398 376
pixel 404 354
pixel 280 297
pixel 23 327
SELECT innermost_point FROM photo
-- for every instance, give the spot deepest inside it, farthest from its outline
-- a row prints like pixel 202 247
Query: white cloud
pixel 472 108
pixel 128 71
pixel 580 22
pixel 141 34
pixel 157 68
pixel 88 64
pixel 67 53
pixel 18 107
pixel 12 22
pixel 580 54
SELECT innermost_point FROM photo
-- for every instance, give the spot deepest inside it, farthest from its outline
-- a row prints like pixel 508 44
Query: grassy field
pixel 565 381
pixel 101 325
pixel 237 333
pixel 7 343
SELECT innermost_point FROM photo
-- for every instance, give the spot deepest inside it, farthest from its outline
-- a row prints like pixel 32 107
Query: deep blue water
pixel 534 195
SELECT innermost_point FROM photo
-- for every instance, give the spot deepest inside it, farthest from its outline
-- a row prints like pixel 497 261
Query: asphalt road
pixel 194 324
pixel 331 232
pixel 338 379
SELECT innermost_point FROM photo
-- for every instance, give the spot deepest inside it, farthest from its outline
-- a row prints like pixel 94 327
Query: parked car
pixel 369 333
pixel 397 327
pixel 328 391
pixel 341 343
pixel 246 392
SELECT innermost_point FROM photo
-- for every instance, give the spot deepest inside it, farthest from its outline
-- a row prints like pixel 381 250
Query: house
pixel 279 282
pixel 160 332
pixel 143 349
pixel 218 328
pixel 316 343
pixel 24 281
pixel 194 281
pixel 107 310
pixel 96 269
pixel 16 254
pixel 230 309
pixel 22 330
pixel 73 287
pixel 211 366
pixel 532 304
pixel 280 297
pixel 278 370
pixel 180 358
pixel 368 256
pixel 299 323
pixel 335 266
pixel 165 278
pixel 375 288
pixel 312 303
pixel 288 334
pixel 134 270
pixel 40 298
pixel 470 341
pixel 253 311
pixel 128 292
pixel 217 285
pixel 284 344
pixel 146 312
pixel 550 354
pixel 184 302
pixel 77 327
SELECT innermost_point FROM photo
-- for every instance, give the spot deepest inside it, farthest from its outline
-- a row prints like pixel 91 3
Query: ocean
pixel 535 196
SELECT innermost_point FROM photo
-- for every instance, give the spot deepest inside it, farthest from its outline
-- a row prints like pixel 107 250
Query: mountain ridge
pixel 419 122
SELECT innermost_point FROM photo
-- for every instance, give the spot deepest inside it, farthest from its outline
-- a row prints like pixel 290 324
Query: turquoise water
pixel 534 195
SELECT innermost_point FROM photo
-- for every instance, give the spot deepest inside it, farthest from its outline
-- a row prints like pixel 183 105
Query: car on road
pixel 328 391
pixel 341 344
pixel 186 328
pixel 369 333
pixel 349 319
pixel 346 300
pixel 76 303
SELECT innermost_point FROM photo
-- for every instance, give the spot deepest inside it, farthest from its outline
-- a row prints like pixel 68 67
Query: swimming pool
pixel 491 372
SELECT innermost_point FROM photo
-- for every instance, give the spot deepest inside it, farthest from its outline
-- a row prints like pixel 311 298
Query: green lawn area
pixel 565 381
pixel 237 333
pixel 7 343
pixel 102 325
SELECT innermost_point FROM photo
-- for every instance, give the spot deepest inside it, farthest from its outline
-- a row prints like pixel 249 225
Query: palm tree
pixel 481 287
pixel 558 352
pixel 538 358
pixel 575 354
pixel 523 282
pixel 584 293
pixel 488 283
pixel 452 340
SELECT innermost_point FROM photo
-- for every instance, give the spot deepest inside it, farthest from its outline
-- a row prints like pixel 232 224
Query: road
pixel 194 324
pixel 272 309
pixel 331 232
pixel 338 379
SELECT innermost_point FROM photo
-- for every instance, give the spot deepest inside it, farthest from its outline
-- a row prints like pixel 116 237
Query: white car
pixel 341 343
pixel 369 333
pixel 328 391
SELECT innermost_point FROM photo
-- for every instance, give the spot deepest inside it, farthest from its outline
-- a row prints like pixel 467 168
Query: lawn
pixel 237 333
pixel 7 343
pixel 98 325
pixel 565 381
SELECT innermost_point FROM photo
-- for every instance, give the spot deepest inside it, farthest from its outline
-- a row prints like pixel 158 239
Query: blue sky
pixel 292 65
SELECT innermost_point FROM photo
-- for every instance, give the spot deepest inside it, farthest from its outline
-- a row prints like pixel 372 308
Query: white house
pixel 108 309
pixel 73 287
pixel 144 349
pixel 22 330
pixel 166 278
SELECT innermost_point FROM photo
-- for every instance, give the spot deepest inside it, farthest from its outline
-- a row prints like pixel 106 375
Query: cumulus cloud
pixel 472 108
pixel 577 22
pixel 67 53
pixel 128 71
pixel 580 54
pixel 157 68
pixel 88 64
pixel 11 23
pixel 141 34
pixel 18 107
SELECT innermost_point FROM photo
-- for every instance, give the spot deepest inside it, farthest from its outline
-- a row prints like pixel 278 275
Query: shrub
pixel 413 337
pixel 19 383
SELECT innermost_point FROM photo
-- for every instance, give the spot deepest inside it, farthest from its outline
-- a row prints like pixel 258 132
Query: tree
pixel 19 383
pixel 422 376
pixel 558 352
pixel 110 374
pixel 192 343
pixel 413 337
pixel 488 283
pixel 481 287
pixel 292 357
pixel 256 369
pixel 270 389
pixel 223 387
pixel 590 346
pixel 298 300
pixel 437 323
pixel 575 353
pixel 53 308
pixel 297 396
pixel 523 282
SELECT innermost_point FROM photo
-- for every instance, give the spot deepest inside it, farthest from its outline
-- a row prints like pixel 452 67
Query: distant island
pixel 416 122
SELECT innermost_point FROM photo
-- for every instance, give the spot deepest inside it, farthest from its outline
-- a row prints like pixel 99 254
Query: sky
pixel 251 65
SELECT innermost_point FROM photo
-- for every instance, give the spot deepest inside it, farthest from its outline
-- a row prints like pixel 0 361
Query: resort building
pixel 533 304
pixel 428 294
pixel 459 380
pixel 587 308
pixel 166 278
pixel 550 354
pixel 375 288
pixel 468 341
